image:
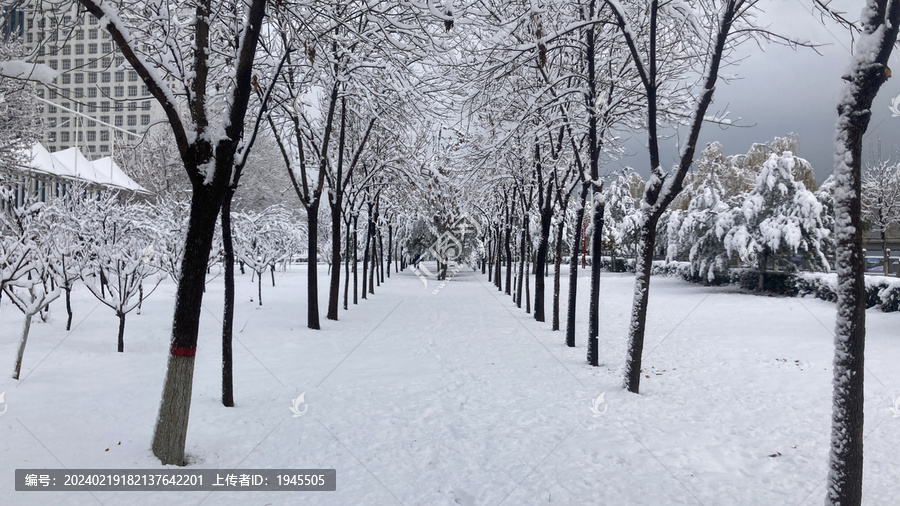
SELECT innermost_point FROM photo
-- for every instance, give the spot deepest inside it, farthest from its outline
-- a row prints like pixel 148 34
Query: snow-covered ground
pixel 458 397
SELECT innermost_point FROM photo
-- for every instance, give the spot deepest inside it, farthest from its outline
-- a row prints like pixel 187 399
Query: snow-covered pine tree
pixel 778 217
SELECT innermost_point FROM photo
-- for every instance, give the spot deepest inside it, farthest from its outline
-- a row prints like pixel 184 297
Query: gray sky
pixel 781 90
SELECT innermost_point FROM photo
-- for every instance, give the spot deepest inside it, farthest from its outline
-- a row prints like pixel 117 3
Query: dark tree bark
pixel 573 268
pixel 121 346
pixel 521 272
pixel 390 248
pixel 545 207
pixel 228 312
pixel 594 309
pixel 356 257
pixel 868 71
pixel 312 262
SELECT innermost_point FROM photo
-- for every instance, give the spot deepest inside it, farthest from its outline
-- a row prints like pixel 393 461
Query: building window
pixel 132 120
pixel 107 47
pixel 132 91
pixel 119 91
pixel 92 136
pixel 91 123
pixel 93 33
pixel 145 119
pixel 132 76
pixel 104 119
pixel 79 34
pixel 52 109
pixel 92 64
pixel 92 48
pixel 105 35
pixel 144 90
pixel 66 63
pixel 67 78
pixel 79 92
pixel 120 76
pixel 30 37
pixel 93 20
pixel 104 148
pixel 79 62
pixel 120 60
pixel 92 78
pixel 118 121
pixel 52 122
pixel 92 107
pixel 79 78
pixel 79 48
pixel 145 105
pixel 104 90
pixel 67 50
pixel 80 137
pixel 91 147
pixel 53 64
pixel 132 106
pixel 119 107
pixel 105 77
pixel 64 136
pixel 51 136
pixel 104 136
pixel 106 61
pixel 92 92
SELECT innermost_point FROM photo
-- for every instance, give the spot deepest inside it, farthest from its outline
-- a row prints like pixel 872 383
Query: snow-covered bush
pixel 881 291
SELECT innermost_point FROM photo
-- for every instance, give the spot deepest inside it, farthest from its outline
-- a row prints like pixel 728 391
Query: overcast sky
pixel 783 90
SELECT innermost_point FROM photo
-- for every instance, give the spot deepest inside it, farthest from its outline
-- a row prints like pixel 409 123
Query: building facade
pixel 95 91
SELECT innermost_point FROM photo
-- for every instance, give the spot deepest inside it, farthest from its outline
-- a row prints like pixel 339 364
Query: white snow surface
pixel 457 397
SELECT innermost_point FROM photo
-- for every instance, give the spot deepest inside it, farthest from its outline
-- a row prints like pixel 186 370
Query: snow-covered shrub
pixel 779 283
pixel 881 291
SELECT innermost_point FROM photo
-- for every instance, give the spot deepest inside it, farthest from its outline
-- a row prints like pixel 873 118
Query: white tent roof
pixel 40 160
pixel 71 164
pixel 108 167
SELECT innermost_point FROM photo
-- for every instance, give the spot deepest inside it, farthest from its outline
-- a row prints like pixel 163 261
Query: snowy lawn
pixel 458 397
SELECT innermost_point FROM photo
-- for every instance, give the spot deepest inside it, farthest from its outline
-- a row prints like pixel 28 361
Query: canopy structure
pixel 70 164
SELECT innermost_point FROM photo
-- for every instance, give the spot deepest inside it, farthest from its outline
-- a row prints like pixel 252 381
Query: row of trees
pixel 542 88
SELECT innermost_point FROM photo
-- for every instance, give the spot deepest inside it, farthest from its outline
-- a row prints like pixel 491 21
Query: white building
pixel 94 81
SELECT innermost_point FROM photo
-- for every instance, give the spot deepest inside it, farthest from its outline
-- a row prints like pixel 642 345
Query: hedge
pixel 881 291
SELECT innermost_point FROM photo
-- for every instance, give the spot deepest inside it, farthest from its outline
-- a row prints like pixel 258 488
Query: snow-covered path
pixel 459 397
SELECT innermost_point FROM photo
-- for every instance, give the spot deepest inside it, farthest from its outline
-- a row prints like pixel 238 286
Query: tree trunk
pixel 869 70
pixel 365 267
pixel 356 258
pixel 228 312
pixel 121 316
pixel 68 288
pixel 272 272
pixel 560 230
pixel 372 256
pixel 573 269
pixel 24 339
pixel 642 265
pixel 509 265
pixel 312 276
pixel 390 247
pixel 884 253
pixel 541 260
pixel 380 257
pixel 174 410
pixel 347 270
pixel 521 273
pixel 334 288
pixel 594 309
pixel 259 286
pixel 528 272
